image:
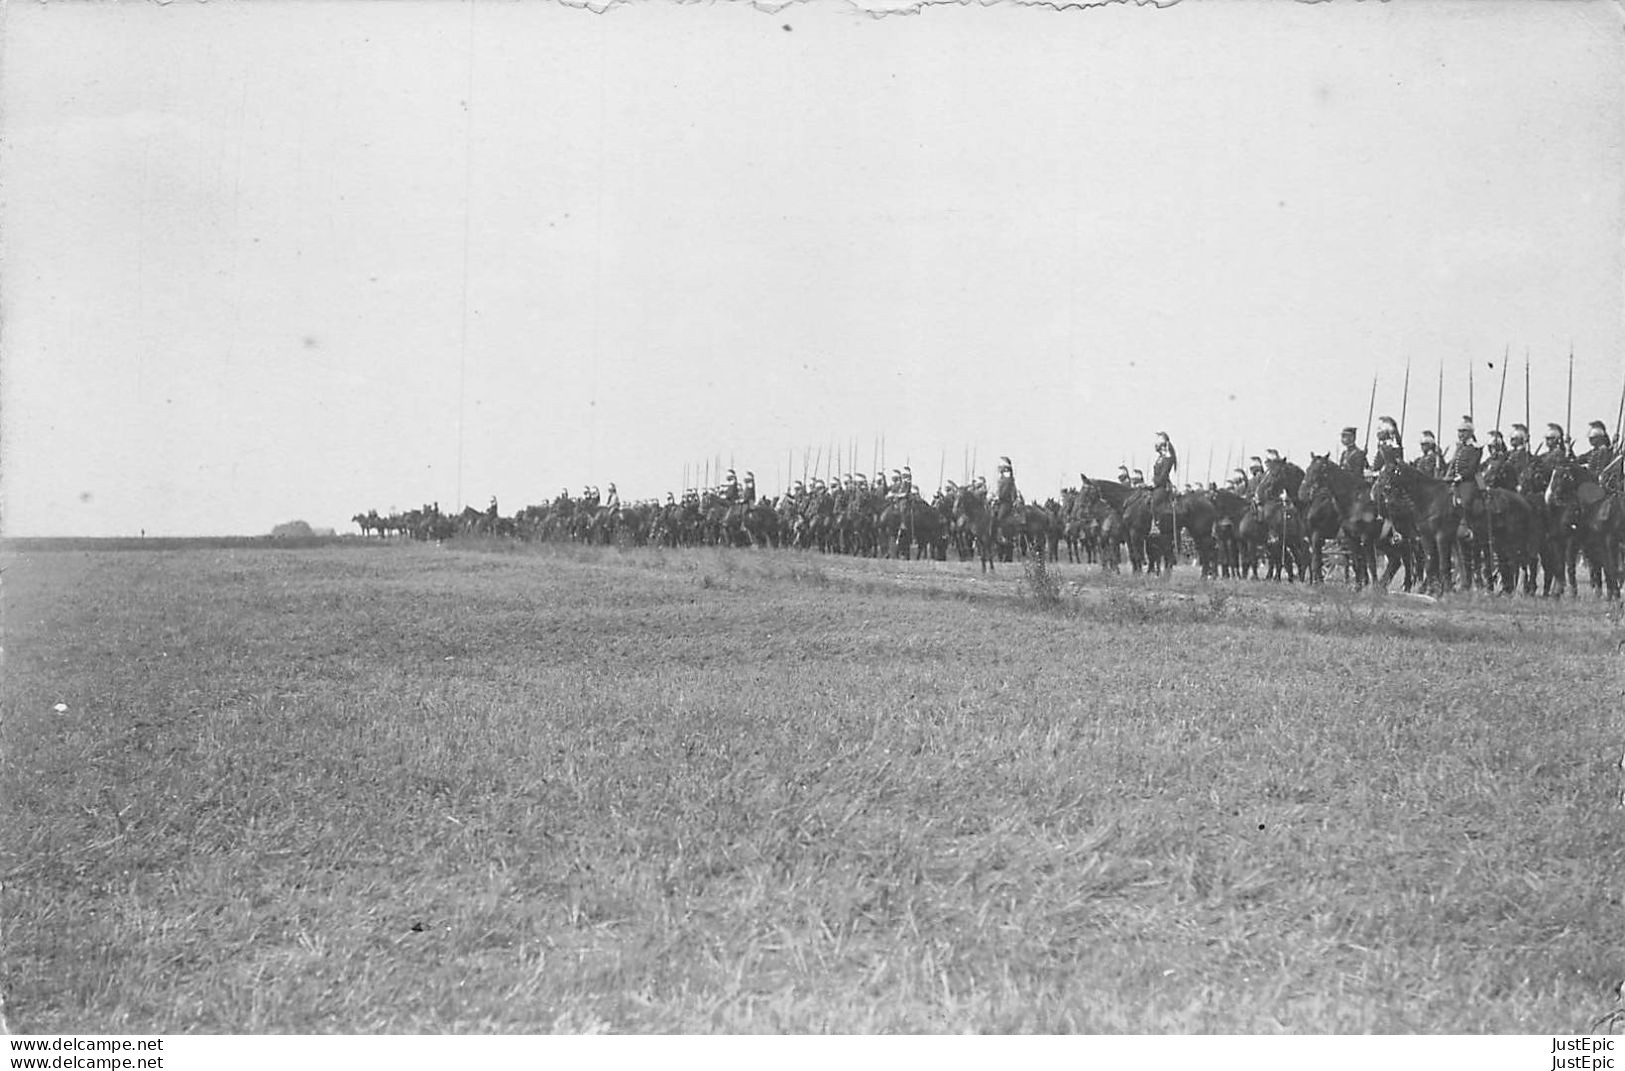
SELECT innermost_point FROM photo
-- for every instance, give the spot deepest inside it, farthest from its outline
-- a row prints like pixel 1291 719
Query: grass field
pixel 412 788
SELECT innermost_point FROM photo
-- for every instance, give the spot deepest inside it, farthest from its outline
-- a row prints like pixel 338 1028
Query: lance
pixel 1470 414
pixel 1209 463
pixel 1370 411
pixel 874 454
pixel 805 450
pixel 1438 425
pixel 1620 419
pixel 942 469
pixel 1526 388
pixel 1404 400
pixel 882 451
pixel 817 458
pixel 1228 450
pixel 973 462
pixel 1499 398
pixel 1568 419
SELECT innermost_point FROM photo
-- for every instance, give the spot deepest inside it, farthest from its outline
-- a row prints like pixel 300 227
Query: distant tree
pixel 291 530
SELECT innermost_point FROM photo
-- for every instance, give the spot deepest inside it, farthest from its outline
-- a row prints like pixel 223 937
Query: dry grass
pixel 363 788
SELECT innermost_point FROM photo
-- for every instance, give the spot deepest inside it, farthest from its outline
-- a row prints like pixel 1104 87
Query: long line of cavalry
pixel 1502 514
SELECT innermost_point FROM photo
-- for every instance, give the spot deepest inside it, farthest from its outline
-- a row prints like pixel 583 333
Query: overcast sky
pixel 298 260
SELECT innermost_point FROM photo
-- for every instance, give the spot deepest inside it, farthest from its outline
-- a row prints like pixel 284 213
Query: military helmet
pixel 1597 432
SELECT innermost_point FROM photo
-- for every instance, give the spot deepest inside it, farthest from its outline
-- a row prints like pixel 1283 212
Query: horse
pixel 971 514
pixel 1602 529
pixel 1228 510
pixel 1340 507
pixel 1108 501
pixel 1438 521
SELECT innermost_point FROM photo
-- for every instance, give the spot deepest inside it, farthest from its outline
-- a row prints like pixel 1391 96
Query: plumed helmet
pixel 1387 423
pixel 907 471
pixel 1597 431
pixel 1554 432
pixel 750 477
pixel 1238 475
pixel 1495 435
pixel 1256 461
pixel 1162 437
pixel 1427 438
pixel 1121 468
pixel 1466 425
pixel 1138 475
pixel 1272 455
pixel 612 487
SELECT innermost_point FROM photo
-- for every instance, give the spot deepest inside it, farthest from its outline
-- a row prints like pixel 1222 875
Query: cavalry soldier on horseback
pixel 730 488
pixel 1518 455
pixel 1462 470
pixel 1137 480
pixel 1497 447
pixel 1352 460
pixel 1167 461
pixel 1123 476
pixel 613 502
pixel 1255 476
pixel 1238 482
pixel 1273 462
pixel 749 492
pixel 1555 444
pixel 1006 496
pixel 1599 459
pixel 1389 446
pixel 1430 462
pixel 905 486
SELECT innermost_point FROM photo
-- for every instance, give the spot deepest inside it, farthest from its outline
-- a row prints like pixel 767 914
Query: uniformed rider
pixel 1599 459
pixel 1006 497
pixel 1462 469
pixel 1389 446
pixel 1352 459
pixel 1167 461
pixel 1429 462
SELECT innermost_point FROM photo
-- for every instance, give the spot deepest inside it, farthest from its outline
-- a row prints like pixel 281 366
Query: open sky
pixel 275 261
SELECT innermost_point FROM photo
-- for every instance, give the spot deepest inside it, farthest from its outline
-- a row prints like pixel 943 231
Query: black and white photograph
pixel 820 518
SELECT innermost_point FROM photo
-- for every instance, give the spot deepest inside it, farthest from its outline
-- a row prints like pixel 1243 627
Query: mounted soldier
pixel 1255 477
pixel 1599 459
pixel 1007 497
pixel 1123 476
pixel 1163 468
pixel 749 492
pixel 1462 469
pixel 1238 483
pixel 1352 459
pixel 730 488
pixel 1429 462
pixel 1518 454
pixel 1136 480
pixel 1273 465
pixel 612 502
pixel 1496 448
pixel 1389 446
pixel 905 485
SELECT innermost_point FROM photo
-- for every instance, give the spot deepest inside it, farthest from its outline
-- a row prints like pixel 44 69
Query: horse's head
pixel 1315 476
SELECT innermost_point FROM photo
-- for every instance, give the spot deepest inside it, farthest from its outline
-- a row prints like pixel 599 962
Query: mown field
pixel 412 788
